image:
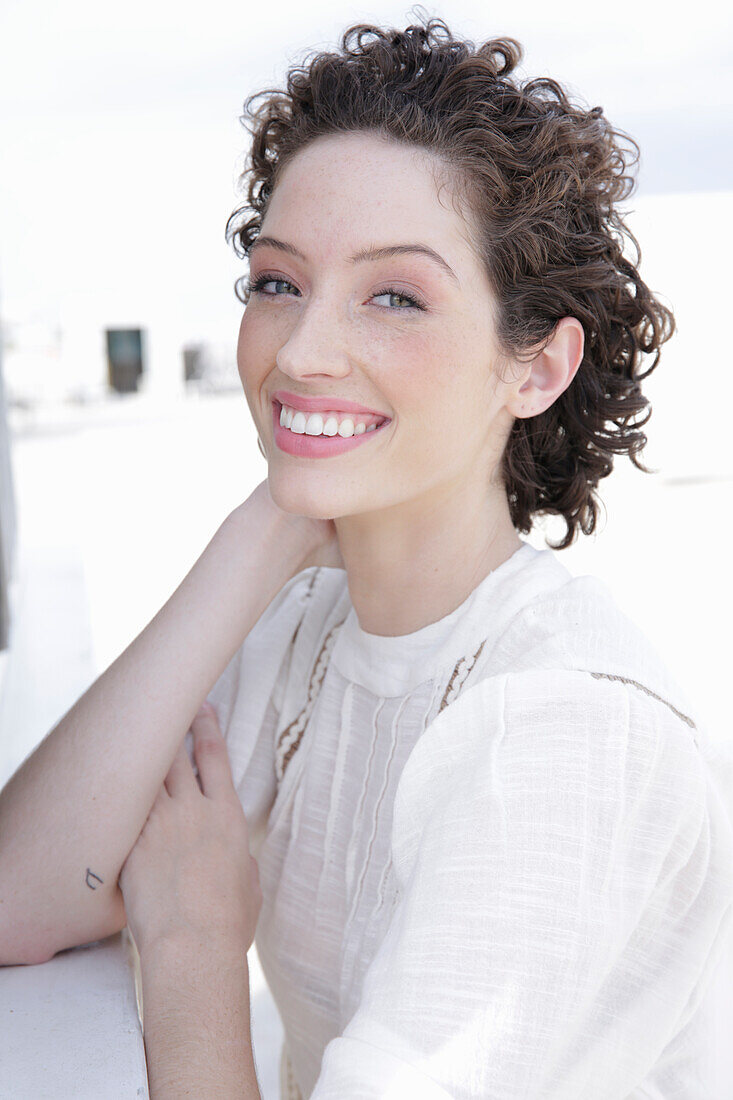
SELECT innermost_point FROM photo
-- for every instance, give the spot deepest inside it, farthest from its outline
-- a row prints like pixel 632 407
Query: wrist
pixel 177 970
pixel 181 949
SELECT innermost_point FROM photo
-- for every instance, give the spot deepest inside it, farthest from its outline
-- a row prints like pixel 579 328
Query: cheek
pixel 412 364
pixel 249 351
pixel 429 386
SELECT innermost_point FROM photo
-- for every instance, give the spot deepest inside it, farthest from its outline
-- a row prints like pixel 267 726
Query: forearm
pixel 71 814
pixel 196 1022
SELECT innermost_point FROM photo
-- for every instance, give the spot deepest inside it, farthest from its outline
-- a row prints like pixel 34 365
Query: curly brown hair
pixel 542 177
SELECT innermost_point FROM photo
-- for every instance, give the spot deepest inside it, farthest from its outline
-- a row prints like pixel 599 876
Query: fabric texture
pixel 494 857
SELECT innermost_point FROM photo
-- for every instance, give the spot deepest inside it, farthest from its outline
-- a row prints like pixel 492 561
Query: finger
pixel 212 758
pixel 180 779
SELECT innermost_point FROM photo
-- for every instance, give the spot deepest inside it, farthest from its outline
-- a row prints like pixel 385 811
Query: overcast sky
pixel 119 138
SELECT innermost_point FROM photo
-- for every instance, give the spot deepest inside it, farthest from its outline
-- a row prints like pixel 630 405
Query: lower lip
pixel 316 446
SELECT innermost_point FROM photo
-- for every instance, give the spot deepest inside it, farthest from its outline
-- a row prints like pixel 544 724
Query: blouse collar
pixel 392 665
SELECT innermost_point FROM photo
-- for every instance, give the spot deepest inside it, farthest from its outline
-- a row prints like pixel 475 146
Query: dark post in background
pixel 124 359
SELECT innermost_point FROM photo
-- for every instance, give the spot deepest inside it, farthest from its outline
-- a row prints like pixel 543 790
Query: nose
pixel 315 346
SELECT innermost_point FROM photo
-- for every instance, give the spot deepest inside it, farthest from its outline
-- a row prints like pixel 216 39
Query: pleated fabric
pixel 495 858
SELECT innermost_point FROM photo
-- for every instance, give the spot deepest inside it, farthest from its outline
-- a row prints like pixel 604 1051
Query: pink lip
pixel 321 404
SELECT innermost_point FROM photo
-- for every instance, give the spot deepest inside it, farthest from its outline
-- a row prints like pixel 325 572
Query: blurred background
pixel 125 438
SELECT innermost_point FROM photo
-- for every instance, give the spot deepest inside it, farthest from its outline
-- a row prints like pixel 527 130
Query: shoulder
pixel 550 738
pixel 546 704
pixel 576 718
pixel 576 624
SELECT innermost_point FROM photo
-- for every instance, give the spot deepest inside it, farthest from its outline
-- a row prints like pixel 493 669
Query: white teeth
pixel 297 421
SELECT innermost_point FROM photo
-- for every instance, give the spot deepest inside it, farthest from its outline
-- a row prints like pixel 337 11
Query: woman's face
pixel 405 334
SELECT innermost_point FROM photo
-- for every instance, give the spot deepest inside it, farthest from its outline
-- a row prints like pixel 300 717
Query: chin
pixel 300 497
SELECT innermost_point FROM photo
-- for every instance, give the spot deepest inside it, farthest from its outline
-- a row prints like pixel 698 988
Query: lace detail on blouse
pixel 291 736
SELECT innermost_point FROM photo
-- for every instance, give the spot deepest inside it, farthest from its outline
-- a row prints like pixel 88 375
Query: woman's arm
pixel 196 1013
pixel 72 812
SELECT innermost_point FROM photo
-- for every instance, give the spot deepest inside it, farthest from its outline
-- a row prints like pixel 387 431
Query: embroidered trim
pixel 291 736
pixel 625 680
pixel 458 677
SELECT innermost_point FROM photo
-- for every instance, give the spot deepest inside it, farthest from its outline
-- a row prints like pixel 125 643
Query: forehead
pixel 344 190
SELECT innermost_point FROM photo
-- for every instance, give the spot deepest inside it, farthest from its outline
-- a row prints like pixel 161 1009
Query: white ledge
pixel 70 1026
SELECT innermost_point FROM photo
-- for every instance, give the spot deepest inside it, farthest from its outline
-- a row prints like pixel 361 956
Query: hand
pixel 190 872
pixel 316 538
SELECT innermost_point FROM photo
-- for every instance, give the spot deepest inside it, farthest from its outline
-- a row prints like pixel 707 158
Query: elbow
pixel 18 947
pixel 39 958
pixel 14 953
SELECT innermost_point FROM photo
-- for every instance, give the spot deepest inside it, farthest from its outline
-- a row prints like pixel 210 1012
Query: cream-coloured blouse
pixel 494 857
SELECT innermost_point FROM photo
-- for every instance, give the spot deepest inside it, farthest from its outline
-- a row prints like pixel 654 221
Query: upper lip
pixel 322 404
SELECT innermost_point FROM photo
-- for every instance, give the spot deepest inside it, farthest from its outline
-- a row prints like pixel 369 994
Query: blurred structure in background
pixel 211 367
pixel 50 366
pixel 124 358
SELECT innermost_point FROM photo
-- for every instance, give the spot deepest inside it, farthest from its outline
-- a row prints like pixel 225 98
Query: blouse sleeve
pixel 247 699
pixel 561 892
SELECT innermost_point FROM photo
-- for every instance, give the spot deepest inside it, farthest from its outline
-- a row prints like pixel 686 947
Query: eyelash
pixel 253 286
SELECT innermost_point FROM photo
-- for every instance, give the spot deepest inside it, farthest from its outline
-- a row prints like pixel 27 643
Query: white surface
pixel 69 1027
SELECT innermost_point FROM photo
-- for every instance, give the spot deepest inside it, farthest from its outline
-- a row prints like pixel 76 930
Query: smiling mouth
pixel 356 424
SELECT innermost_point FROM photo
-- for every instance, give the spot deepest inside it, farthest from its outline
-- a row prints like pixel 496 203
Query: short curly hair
pixel 542 177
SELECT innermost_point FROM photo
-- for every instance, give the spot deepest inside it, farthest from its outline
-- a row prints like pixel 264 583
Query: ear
pixel 551 372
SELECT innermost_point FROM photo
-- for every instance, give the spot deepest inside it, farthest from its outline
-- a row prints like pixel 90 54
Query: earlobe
pixel 553 369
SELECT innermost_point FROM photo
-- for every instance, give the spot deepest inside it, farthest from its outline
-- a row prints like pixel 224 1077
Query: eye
pixel 390 292
pixel 257 286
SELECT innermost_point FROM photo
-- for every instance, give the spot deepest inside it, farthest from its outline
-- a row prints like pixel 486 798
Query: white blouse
pixel 494 857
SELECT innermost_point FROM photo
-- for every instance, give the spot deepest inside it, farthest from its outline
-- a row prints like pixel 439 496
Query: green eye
pixel 392 293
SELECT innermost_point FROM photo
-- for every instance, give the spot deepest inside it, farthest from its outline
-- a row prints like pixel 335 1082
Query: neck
pixel 413 563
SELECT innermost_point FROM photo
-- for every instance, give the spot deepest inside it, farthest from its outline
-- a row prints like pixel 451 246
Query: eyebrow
pixel 365 253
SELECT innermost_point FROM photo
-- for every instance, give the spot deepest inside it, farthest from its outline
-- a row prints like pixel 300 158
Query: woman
pixel 490 856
